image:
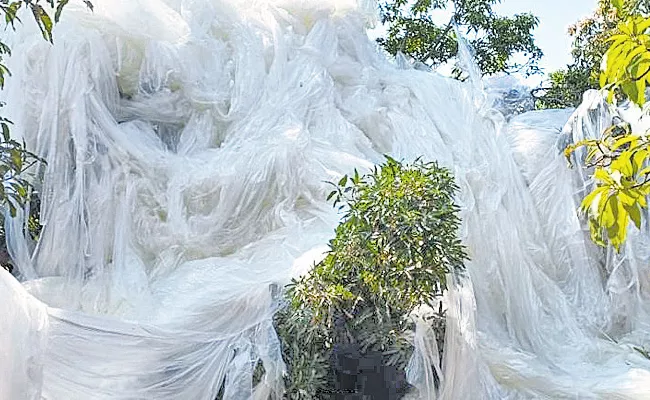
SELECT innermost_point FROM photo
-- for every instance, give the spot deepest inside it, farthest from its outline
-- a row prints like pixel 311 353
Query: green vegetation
pixel 495 39
pixel 566 88
pixel 15 160
pixel 391 255
pixel 620 157
pixel 590 43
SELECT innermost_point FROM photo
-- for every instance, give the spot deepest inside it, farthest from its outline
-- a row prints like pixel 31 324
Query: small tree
pixel 391 254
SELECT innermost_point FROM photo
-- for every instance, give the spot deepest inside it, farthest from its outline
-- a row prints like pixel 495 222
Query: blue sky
pixel 555 17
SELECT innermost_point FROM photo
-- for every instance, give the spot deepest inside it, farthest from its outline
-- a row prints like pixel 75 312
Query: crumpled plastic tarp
pixel 188 145
pixel 509 95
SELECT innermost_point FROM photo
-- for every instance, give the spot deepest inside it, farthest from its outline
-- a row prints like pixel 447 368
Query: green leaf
pixel 635 214
pixel 623 164
pixel 17 159
pixel 11 13
pixel 627 197
pixel 43 21
pixel 592 200
pixel 59 9
pixel 605 211
pixel 604 176
pixel 5 131
pixel 636 54
pixel 47 24
pixel 644 25
pixel 642 351
pixel 343 181
pixel 629 139
pixel 631 90
pixel 602 79
pixel 610 95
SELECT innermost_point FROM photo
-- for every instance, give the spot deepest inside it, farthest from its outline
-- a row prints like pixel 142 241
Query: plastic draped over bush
pixel 188 143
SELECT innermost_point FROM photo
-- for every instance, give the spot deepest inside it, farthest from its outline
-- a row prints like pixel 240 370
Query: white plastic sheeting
pixel 188 143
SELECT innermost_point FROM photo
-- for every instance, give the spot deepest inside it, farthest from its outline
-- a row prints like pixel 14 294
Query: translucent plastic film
pixel 188 146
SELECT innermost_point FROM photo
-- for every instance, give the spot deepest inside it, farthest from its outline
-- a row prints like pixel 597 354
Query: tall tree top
pixel 494 38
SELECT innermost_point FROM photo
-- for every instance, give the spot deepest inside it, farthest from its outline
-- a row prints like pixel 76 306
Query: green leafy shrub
pixel 391 254
pixel 14 161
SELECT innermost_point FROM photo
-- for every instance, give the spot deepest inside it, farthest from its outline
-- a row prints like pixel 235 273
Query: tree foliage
pixel 14 161
pixel 620 157
pixel 391 254
pixel 628 60
pixel 565 88
pixel 495 39
pixel 590 42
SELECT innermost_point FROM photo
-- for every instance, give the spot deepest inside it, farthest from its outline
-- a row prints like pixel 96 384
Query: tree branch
pixel 438 43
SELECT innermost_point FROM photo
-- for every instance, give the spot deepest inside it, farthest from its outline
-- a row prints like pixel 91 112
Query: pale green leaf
pixel 635 214
pixel 618 4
